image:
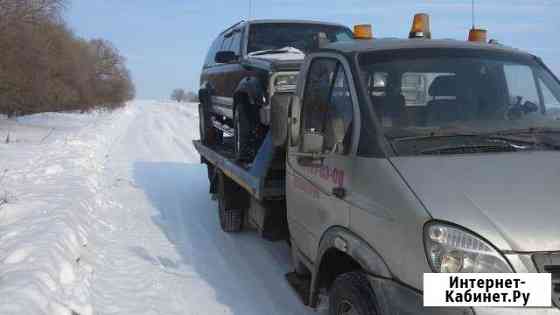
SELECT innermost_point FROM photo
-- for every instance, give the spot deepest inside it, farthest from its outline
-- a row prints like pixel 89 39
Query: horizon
pixel 165 43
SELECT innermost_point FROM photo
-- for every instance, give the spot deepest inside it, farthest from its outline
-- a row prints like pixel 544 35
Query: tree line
pixel 44 66
pixel 180 95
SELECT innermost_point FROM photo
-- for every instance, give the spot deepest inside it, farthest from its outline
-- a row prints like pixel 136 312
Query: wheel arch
pixel 249 89
pixel 204 93
pixel 341 251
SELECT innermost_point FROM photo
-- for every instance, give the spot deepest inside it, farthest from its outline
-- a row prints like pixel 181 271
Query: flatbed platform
pixel 253 177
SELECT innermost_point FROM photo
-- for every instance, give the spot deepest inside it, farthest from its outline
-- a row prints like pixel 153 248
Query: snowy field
pixel 110 214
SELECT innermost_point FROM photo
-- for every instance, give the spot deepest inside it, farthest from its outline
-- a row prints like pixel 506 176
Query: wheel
pixel 231 218
pixel 208 134
pixel 351 294
pixel 243 134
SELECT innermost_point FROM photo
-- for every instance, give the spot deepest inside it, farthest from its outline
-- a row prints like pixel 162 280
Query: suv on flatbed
pixel 246 65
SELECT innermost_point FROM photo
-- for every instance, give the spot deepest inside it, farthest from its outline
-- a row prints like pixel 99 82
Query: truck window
pixel 377 82
pixel 521 82
pixel 340 106
pixel 316 95
pixel 414 89
pixel 551 102
pixel 469 90
pixel 327 96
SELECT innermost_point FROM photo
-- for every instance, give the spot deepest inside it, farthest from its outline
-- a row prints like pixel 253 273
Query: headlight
pixel 453 250
pixel 285 82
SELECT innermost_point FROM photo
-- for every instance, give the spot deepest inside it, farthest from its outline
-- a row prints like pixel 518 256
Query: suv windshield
pixel 270 36
pixel 435 93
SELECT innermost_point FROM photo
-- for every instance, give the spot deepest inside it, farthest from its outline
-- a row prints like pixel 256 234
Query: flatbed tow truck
pixel 338 180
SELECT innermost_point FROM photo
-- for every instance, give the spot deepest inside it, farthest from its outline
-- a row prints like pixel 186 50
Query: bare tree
pixel 29 11
pixel 45 67
pixel 178 95
pixel 191 97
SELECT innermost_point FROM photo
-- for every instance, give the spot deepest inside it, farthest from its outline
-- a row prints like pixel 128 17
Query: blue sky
pixel 165 41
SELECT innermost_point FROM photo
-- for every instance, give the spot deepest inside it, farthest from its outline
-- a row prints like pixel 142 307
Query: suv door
pixel 230 73
pixel 210 73
pixel 316 191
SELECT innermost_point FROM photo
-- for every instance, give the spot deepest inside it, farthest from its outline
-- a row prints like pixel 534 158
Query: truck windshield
pixel 445 92
pixel 270 36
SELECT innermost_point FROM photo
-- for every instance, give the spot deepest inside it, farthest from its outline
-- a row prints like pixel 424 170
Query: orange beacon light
pixel 363 31
pixel 421 26
pixel 477 35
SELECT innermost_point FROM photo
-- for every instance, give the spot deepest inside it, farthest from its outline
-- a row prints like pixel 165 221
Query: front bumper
pixel 394 298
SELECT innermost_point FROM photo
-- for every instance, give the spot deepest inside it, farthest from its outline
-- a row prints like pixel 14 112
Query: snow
pixel 109 213
pixel 286 54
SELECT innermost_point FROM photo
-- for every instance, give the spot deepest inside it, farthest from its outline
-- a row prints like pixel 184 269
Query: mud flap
pixel 212 176
pixel 301 285
pixel 275 227
pixel 269 217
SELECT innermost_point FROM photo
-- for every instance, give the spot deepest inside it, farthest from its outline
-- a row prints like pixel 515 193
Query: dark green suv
pixel 246 65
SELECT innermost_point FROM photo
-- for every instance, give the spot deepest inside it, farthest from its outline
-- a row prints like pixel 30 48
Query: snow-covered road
pixel 109 213
pixel 160 249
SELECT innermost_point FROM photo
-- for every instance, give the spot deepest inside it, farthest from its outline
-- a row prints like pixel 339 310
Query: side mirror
pixel 295 120
pixel 312 142
pixel 279 115
pixel 225 56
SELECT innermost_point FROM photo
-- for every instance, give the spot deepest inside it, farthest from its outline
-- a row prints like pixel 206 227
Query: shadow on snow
pixel 245 271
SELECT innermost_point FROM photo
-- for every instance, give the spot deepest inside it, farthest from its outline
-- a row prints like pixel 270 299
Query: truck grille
pixel 550 263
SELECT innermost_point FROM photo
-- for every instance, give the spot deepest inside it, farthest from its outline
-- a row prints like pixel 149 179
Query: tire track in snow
pixel 166 254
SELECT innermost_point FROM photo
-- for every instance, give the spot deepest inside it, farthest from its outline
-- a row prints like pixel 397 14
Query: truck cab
pixel 404 157
pixel 392 140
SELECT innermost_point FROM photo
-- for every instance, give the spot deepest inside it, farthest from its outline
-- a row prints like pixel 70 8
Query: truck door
pixel 316 190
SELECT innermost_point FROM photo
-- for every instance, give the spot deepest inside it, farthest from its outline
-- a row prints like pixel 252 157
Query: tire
pixel 231 219
pixel 351 294
pixel 243 134
pixel 208 134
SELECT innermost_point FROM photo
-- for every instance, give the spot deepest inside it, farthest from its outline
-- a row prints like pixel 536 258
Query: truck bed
pixel 263 179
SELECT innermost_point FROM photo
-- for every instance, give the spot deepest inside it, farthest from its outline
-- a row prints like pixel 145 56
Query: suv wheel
pixel 351 294
pixel 208 134
pixel 231 217
pixel 243 134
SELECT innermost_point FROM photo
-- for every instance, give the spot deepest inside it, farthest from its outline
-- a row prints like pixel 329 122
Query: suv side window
pixel 227 43
pixel 236 42
pixel 209 61
pixel 327 96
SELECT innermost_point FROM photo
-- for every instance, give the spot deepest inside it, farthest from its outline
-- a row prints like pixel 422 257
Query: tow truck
pixel 384 165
